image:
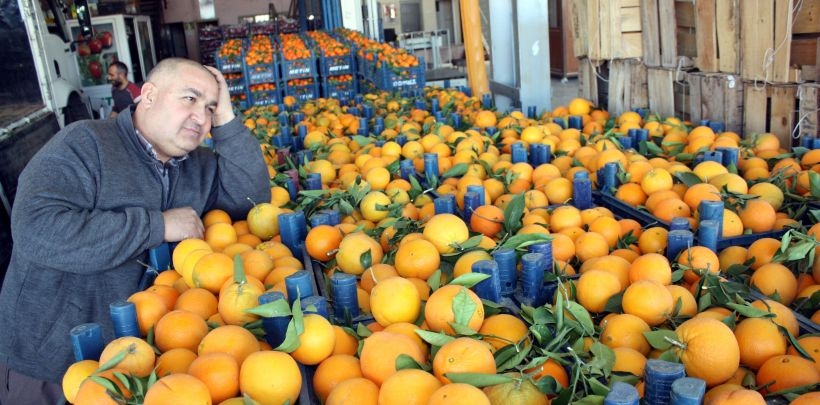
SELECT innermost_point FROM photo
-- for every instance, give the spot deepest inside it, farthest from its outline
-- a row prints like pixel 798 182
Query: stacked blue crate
pixel 230 60
pixel 263 76
pixel 300 77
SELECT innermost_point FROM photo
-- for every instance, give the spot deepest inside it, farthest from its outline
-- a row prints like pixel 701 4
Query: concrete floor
pixel 564 90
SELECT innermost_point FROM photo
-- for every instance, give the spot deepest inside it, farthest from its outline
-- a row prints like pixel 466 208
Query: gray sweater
pixel 88 207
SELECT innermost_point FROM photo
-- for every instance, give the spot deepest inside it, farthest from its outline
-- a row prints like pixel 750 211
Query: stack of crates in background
pixel 230 60
pixel 210 37
pixel 382 67
pixel 337 67
pixel 261 71
pixel 298 68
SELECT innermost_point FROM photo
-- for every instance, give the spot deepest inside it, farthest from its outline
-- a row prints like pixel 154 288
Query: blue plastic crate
pixel 395 79
pixel 235 31
pixel 264 97
pixel 262 73
pixel 303 92
pixel 299 68
pixel 236 82
pixel 338 90
pixel 364 66
pixel 337 65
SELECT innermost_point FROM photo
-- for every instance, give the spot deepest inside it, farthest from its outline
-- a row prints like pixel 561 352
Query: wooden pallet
pixel 588 79
pixel 770 108
pixel 659 48
pixel 661 90
pixel 809 115
pixel 715 97
pixel 606 29
pixel 770 31
pixel 627 85
pixel 706 31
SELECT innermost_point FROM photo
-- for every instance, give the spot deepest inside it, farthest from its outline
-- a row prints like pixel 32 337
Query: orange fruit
pixel 92 392
pixel 396 299
pixel 408 386
pixel 345 342
pixel 458 394
pixel 628 360
pixel 139 355
pixel 518 391
pixel 487 220
pixel 648 300
pixel 595 287
pixel 653 240
pixel 438 311
pixel 758 215
pixel 322 241
pixel 783 316
pixel 503 329
pixel 316 341
pixel 786 371
pixel 591 245
pixel 445 230
pixel 355 391
pixel 219 372
pixel 174 361
pixel 463 355
pixel 733 394
pixel 625 330
pixel 179 329
pixel 762 251
pixel 375 274
pixel 696 260
pixel 758 340
pixel 74 376
pixel 234 340
pixel 417 258
pixel 184 248
pixel 688 306
pixel 199 301
pixel 255 373
pixel 351 249
pixel 465 262
pixel 808 398
pixel 211 271
pixel 379 353
pixel 150 308
pixel 775 279
pixel 334 370
pixel 220 235
pixel 811 344
pixel 263 220
pixel 550 368
pixel 708 350
pixel 651 266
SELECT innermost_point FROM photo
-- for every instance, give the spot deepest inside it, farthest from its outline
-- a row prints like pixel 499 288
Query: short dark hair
pixel 121 67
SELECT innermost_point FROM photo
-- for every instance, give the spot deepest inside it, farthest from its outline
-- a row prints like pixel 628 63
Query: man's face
pixel 116 78
pixel 181 111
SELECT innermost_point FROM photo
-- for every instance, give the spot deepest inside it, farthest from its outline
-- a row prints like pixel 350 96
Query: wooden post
pixel 661 91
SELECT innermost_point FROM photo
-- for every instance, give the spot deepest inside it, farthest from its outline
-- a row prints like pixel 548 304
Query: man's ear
pixel 148 93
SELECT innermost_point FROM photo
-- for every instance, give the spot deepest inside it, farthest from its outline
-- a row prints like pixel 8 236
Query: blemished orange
pixel 709 350
pixel 648 300
pixel 503 329
pixel 139 355
pixel 334 370
pixel 174 361
pixel 316 341
pixel 179 329
pixel 458 394
pixel 595 287
pixel 418 258
pixel 759 340
pixel 256 371
pixel 521 391
pixel 219 372
pixel 379 353
pixel 625 330
pixel 463 355
pixel 408 386
pixel 438 312
pixel 234 340
pixel 786 371
pixel 355 391
pixel 395 299
pixel 811 344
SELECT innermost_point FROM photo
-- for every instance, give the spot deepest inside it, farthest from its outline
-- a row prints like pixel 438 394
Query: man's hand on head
pixel 224 110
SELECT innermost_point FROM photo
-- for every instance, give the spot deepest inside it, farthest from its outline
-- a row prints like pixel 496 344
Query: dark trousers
pixel 19 389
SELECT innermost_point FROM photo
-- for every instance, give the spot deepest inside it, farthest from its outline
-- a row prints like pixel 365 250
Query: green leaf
pixel 457 170
pixel 814 183
pixel 661 339
pixel 793 341
pixel 594 399
pixel 404 361
pixel 523 240
pixel 468 244
pixel 582 316
pixel 603 357
pixel 670 355
pixel 749 311
pixel 361 330
pixel 363 140
pixel 117 358
pixel 514 361
pixel 463 307
pixel 688 178
pixel 106 383
pixel 479 380
pixel 434 338
pixel 469 279
pixel 463 330
pixel 366 259
pixel 271 309
pixel 513 214
pixel 434 281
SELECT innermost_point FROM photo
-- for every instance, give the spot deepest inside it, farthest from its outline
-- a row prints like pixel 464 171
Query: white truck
pixel 40 91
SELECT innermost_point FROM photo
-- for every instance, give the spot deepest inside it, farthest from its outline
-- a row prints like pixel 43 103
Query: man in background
pixel 123 92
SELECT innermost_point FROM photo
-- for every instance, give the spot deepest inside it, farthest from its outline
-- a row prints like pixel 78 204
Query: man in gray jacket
pixel 97 197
